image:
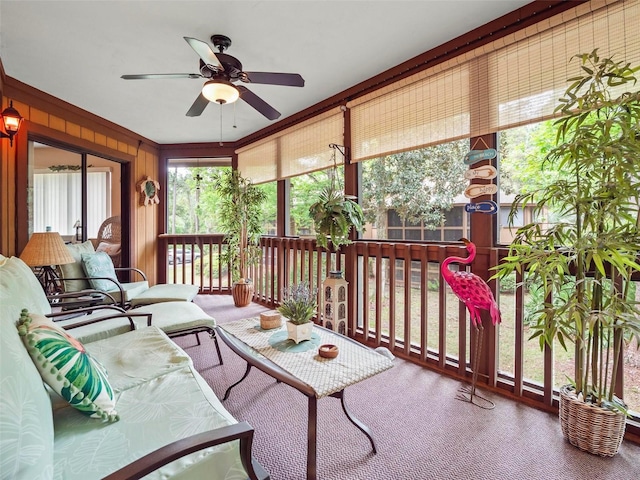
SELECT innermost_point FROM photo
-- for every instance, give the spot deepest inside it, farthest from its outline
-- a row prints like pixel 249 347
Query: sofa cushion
pixel 26 421
pixel 75 270
pixel 67 368
pixel 99 264
pixel 170 317
pixel 166 293
pixel 161 398
pixel 138 357
pixel 111 249
pixel 19 288
pixel 174 317
pixel 131 290
pixel 153 413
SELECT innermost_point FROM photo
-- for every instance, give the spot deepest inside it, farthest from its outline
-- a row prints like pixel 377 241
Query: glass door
pixel 72 193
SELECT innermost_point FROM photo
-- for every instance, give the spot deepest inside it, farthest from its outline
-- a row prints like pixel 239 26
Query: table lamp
pixel 47 249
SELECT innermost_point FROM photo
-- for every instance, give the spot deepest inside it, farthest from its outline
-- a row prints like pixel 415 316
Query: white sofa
pixel 171 424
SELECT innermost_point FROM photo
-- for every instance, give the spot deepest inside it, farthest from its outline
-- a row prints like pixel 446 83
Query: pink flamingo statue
pixel 476 295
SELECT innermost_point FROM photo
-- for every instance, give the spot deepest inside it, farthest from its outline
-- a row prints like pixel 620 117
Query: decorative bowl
pixel 328 351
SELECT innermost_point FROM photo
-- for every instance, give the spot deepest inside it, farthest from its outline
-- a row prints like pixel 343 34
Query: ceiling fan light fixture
pixel 220 91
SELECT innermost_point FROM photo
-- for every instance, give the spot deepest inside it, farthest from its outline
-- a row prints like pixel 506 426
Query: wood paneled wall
pixel 50 118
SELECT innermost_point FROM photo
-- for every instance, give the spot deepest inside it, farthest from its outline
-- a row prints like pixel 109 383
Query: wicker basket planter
pixel 589 427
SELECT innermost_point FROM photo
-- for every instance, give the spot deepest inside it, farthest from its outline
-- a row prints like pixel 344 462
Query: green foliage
pixel 269 207
pixel 241 220
pixel 299 303
pixel 334 215
pixel 304 193
pixel 522 151
pixel 420 185
pixel 583 262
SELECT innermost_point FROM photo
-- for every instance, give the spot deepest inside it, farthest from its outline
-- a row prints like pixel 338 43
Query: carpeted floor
pixel 421 431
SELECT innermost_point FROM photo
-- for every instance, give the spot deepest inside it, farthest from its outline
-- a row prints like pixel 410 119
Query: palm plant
pixel 241 220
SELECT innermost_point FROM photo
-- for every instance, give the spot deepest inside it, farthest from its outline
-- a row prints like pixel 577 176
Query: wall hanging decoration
pixel 149 189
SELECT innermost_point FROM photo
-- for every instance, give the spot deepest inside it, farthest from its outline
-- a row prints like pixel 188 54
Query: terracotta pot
pixel 242 294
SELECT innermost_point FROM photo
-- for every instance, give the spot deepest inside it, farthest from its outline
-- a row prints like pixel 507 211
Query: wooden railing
pixel 399 300
pixel 195 260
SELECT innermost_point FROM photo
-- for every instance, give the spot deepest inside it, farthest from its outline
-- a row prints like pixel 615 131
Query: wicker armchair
pixel 109 239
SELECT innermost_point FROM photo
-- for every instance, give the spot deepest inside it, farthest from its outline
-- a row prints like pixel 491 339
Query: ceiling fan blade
pixel 256 102
pixel 205 53
pixel 154 76
pixel 271 78
pixel 198 106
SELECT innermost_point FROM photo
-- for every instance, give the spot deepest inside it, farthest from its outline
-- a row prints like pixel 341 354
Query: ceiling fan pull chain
pixel 234 115
pixel 220 123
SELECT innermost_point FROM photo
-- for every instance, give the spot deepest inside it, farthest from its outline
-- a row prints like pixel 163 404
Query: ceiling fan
pixel 222 71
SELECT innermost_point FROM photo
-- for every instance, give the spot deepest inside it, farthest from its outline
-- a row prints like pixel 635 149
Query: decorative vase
pixel 334 315
pixel 242 294
pixel 589 427
pixel 299 333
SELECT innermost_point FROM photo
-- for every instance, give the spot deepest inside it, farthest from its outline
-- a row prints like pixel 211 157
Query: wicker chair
pixel 109 239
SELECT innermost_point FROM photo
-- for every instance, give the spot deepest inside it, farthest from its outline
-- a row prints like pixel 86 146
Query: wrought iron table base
pixel 312 424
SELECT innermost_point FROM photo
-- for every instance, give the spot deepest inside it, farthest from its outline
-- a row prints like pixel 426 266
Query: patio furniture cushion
pixel 138 356
pixel 75 270
pixel 131 290
pixel 26 419
pixel 19 286
pixel 111 249
pixel 99 264
pixel 166 293
pixel 171 317
pixel 174 317
pixel 67 368
pixel 161 398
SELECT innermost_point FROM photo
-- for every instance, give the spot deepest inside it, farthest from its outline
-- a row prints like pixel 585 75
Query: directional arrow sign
pixel 489 207
pixel 475 156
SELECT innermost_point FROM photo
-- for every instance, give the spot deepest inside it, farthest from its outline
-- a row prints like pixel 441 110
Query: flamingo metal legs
pixel 468 393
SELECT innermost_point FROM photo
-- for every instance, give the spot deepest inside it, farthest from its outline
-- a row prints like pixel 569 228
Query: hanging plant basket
pixel 589 427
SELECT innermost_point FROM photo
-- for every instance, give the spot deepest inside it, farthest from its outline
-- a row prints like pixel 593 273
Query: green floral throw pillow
pixel 67 368
pixel 99 265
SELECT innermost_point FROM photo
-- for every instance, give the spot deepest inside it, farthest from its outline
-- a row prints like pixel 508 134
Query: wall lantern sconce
pixel 11 121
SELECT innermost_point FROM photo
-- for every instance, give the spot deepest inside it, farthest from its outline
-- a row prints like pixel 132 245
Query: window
pixel 304 191
pixel 417 195
pixel 192 198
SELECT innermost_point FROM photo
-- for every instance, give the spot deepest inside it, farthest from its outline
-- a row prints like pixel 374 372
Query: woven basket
pixel 589 427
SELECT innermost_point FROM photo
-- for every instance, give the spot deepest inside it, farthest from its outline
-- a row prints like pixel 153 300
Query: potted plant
pixel 299 303
pixel 334 215
pixel 241 221
pixel 584 262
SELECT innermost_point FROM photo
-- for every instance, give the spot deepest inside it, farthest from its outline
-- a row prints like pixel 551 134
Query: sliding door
pixel 71 192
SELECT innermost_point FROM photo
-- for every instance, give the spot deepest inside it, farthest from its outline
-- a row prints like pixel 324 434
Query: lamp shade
pixel 220 91
pixel 46 249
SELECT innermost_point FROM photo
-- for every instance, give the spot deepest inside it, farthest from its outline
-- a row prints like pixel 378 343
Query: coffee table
pixel 300 366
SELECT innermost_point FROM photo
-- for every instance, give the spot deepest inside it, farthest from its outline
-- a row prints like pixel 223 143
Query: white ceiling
pixel 77 50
